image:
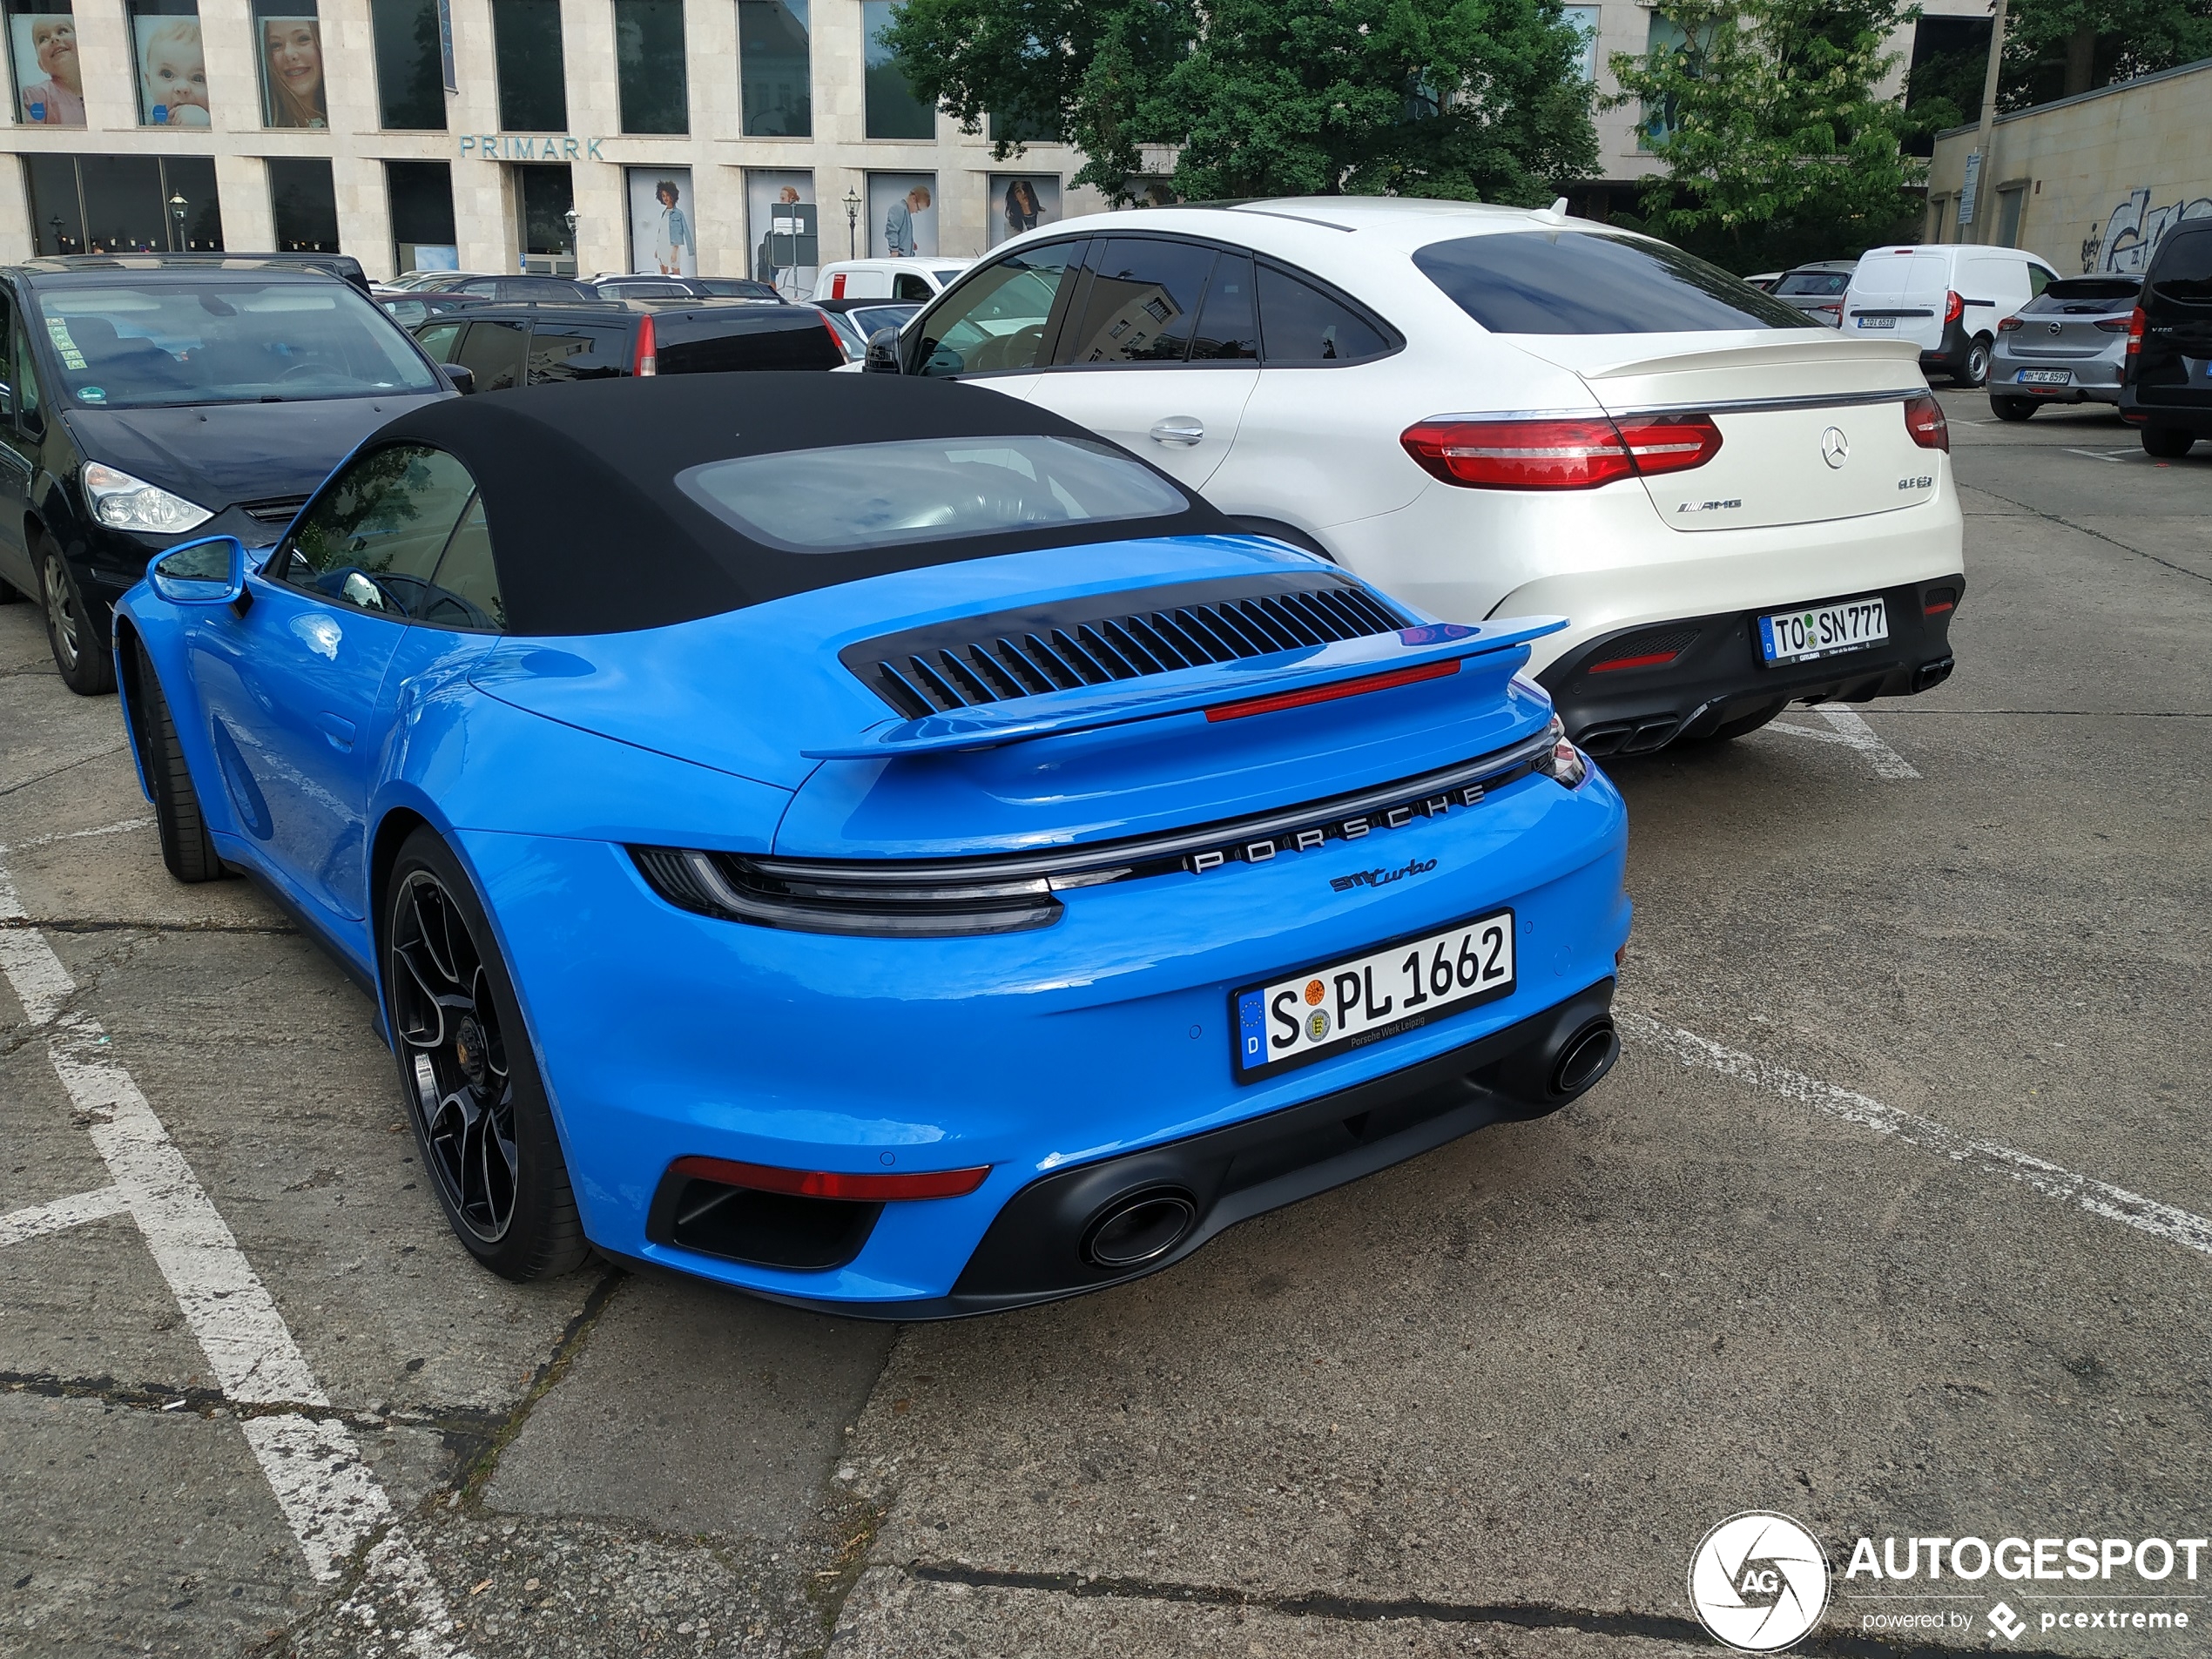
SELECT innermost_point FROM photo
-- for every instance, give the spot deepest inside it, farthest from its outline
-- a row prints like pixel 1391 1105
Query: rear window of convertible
pixel 1588 282
pixel 924 489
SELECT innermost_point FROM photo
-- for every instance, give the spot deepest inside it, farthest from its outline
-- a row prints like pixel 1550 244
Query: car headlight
pixel 122 503
pixel 1562 762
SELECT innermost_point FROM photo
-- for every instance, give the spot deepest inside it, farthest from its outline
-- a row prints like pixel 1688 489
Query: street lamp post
pixel 57 222
pixel 570 216
pixel 852 224
pixel 177 206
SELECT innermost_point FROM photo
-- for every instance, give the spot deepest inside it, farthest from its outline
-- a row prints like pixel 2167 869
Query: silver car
pixel 1817 289
pixel 2068 345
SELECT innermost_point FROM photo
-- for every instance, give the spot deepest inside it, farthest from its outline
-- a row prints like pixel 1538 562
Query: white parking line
pixel 2098 1198
pixel 63 1213
pixel 2100 454
pixel 1847 728
pixel 329 1496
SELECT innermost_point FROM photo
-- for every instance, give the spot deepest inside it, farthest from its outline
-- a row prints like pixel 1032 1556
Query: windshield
pixel 1816 283
pixel 924 489
pixel 182 341
pixel 1593 282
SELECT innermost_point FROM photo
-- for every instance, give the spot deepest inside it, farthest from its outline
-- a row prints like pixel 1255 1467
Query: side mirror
pixel 883 354
pixel 210 571
pixel 460 378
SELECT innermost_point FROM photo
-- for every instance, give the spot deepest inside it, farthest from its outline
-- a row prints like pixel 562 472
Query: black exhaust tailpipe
pixel 1584 1058
pixel 1139 1227
pixel 1577 1048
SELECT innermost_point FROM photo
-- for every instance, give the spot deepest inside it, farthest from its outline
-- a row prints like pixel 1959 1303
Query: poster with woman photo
pixel 662 241
pixel 292 88
pixel 783 228
pixel 903 215
pixel 49 82
pixel 1022 201
pixel 172 72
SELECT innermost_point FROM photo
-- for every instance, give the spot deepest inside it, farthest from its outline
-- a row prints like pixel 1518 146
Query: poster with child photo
pixel 49 77
pixel 173 71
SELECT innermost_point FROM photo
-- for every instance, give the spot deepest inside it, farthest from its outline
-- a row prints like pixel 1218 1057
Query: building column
pixel 249 217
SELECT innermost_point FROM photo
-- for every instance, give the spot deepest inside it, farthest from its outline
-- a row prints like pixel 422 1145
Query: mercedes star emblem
pixel 1835 448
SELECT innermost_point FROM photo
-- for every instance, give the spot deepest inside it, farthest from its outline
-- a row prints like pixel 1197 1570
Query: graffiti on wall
pixel 2128 239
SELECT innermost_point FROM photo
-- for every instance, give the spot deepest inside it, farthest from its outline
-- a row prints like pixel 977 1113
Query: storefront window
pixel 289 35
pixel 649 66
pixel 544 194
pixel 50 76
pixel 171 69
pixel 305 203
pixel 125 204
pixel 410 72
pixel 775 68
pixel 893 110
pixel 903 215
pixel 533 90
pixel 420 194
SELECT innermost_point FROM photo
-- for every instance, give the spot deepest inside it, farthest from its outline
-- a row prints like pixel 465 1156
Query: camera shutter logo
pixel 1759 1581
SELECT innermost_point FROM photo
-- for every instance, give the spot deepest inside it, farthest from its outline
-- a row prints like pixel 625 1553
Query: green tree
pixel 1774 144
pixel 1481 98
pixel 2056 48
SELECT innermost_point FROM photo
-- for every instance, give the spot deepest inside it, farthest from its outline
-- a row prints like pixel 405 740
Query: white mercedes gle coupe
pixel 1492 411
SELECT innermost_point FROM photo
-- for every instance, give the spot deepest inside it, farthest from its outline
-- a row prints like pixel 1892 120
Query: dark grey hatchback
pixel 142 401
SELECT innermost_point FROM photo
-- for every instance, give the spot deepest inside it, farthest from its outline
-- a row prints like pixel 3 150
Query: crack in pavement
pixel 1528 1615
pixel 171 1399
pixel 88 926
pixel 2110 541
pixel 83 760
pixel 470 1487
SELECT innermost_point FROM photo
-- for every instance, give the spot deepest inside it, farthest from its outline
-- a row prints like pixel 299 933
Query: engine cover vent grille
pixel 978 660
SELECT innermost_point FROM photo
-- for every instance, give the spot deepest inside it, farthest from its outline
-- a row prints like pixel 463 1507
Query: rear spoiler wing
pixel 1223 690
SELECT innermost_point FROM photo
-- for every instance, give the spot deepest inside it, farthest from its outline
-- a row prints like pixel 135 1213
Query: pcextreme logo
pixel 1759 1581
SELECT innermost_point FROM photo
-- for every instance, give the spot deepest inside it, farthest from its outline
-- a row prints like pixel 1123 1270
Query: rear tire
pixel 186 848
pixel 1975 370
pixel 2011 408
pixel 1743 724
pixel 467 1074
pixel 79 646
pixel 2168 443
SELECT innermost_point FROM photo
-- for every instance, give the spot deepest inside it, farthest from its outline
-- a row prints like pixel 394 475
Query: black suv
pixel 144 400
pixel 2168 386
pixel 503 347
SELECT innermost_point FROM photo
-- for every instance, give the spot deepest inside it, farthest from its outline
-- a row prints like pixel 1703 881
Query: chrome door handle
pixel 1180 429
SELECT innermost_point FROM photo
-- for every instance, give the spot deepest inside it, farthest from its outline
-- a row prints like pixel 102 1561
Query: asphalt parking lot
pixel 1892 1219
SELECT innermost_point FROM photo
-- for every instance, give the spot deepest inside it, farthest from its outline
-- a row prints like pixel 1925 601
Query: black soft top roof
pixel 592 535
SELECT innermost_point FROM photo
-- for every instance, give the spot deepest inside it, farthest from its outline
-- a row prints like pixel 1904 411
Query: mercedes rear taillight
pixel 645 359
pixel 1577 452
pixel 1924 422
pixel 1954 306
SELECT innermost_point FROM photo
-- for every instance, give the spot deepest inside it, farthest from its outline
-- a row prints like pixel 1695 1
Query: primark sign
pixel 493 146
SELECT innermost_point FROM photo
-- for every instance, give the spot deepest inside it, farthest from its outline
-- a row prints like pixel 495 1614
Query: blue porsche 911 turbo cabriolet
pixel 874 843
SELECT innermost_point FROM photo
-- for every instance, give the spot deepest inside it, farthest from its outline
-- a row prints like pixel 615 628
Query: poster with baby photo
pixel 903 215
pixel 50 84
pixel 172 73
pixel 661 240
pixel 292 84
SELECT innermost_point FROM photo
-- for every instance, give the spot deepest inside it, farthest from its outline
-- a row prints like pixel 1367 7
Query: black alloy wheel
pixel 186 848
pixel 1975 370
pixel 466 1069
pixel 78 645
pixel 2168 443
pixel 2010 408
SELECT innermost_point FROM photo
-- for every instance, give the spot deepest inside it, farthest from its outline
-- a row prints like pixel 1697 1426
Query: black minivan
pixel 143 401
pixel 2167 388
pixel 503 347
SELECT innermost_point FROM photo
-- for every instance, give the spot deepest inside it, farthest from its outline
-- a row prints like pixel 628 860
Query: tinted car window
pixel 2084 296
pixel 493 352
pixel 924 489
pixel 734 288
pixel 999 318
pixel 1819 284
pixel 464 590
pixel 1298 324
pixel 374 538
pixel 440 338
pixel 529 287
pixel 2182 272
pixel 1588 282
pixel 712 343
pixel 646 290
pixel 911 285
pixel 1228 321
pixel 1140 302
pixel 179 341
pixel 577 350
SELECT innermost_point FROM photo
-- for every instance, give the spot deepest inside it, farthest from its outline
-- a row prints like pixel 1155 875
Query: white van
pixel 913 279
pixel 1947 299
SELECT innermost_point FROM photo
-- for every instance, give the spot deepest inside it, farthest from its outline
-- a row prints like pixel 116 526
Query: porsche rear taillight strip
pixel 1313 694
